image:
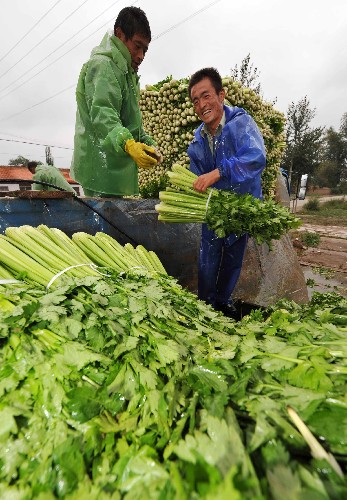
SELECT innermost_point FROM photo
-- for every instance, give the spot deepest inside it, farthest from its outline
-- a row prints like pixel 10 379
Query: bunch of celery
pixel 42 254
pixel 128 387
pixel 105 251
pixel 224 211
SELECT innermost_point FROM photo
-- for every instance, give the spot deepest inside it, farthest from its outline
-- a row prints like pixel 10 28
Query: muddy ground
pixel 325 265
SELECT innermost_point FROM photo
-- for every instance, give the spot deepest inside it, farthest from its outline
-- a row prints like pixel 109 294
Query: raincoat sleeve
pixel 147 139
pixel 246 158
pixel 104 100
pixel 193 167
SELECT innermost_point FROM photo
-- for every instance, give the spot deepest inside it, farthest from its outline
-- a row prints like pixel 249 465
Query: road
pixel 295 205
pixel 329 231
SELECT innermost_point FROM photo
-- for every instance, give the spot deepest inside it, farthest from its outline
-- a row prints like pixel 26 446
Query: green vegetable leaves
pixel 234 213
pixel 127 385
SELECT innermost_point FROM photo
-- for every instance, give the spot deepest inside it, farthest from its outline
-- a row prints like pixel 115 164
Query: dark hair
pixel 32 165
pixel 132 20
pixel 210 73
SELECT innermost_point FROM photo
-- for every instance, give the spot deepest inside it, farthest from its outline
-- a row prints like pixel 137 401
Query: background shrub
pixel 312 205
pixel 310 239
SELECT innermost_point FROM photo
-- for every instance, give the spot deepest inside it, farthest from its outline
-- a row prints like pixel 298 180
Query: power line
pixel 155 38
pixel 38 156
pixel 38 103
pixel 65 53
pixel 186 19
pixel 56 60
pixel 34 143
pixel 27 140
pixel 50 64
pixel 44 38
pixel 53 52
pixel 14 135
pixel 29 31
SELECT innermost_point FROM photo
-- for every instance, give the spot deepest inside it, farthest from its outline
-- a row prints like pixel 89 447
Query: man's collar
pixel 204 130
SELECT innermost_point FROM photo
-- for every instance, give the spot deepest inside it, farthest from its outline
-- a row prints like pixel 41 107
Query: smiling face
pixel 208 104
pixel 137 46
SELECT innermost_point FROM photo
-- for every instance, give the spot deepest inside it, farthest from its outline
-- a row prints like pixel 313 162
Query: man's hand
pixel 206 180
pixel 144 156
pixel 159 156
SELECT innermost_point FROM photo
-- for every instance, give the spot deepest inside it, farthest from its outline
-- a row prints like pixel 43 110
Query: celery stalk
pixel 19 262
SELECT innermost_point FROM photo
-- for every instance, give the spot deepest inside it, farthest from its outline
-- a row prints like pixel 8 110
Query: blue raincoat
pixel 239 154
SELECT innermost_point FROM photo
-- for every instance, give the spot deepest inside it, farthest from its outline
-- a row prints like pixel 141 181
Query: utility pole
pixel 49 157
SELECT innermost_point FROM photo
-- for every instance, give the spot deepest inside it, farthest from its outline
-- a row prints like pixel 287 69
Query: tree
pixel 20 160
pixel 343 133
pixel 327 174
pixel 303 142
pixel 343 126
pixel 49 157
pixel 247 75
pixel 332 170
pixel 334 150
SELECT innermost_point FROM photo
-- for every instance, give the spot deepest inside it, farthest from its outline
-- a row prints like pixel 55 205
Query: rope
pixel 208 201
pixel 93 266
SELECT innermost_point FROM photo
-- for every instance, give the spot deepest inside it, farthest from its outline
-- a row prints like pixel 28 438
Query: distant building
pixel 12 178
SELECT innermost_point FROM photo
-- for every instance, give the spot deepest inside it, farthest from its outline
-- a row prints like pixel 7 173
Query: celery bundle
pixel 105 251
pixel 41 255
pixel 224 211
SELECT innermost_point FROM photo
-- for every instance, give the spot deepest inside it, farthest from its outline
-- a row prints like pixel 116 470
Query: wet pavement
pixel 325 266
pixel 324 283
pixel 332 231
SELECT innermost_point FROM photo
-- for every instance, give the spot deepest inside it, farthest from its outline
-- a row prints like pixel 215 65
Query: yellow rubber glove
pixel 144 156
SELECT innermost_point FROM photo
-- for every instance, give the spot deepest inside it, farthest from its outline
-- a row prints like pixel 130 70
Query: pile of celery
pixel 224 211
pixel 41 255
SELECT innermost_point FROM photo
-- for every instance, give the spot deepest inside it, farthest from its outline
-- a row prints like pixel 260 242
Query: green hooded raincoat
pixel 50 174
pixel 108 114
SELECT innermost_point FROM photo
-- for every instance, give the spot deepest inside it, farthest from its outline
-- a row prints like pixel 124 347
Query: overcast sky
pixel 299 48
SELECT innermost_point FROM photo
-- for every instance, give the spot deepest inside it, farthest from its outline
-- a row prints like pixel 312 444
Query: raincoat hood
pixel 51 175
pixel 111 46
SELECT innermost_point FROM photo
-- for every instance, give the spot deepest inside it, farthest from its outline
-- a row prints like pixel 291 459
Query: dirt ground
pixel 324 266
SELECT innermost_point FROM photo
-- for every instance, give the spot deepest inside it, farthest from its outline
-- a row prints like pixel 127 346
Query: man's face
pixel 137 46
pixel 207 103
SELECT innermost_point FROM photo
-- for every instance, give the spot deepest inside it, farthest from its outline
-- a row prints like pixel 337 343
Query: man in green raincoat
pixel 49 174
pixel 110 143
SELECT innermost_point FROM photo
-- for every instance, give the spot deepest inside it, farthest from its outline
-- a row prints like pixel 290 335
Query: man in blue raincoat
pixel 227 153
pixel 110 143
